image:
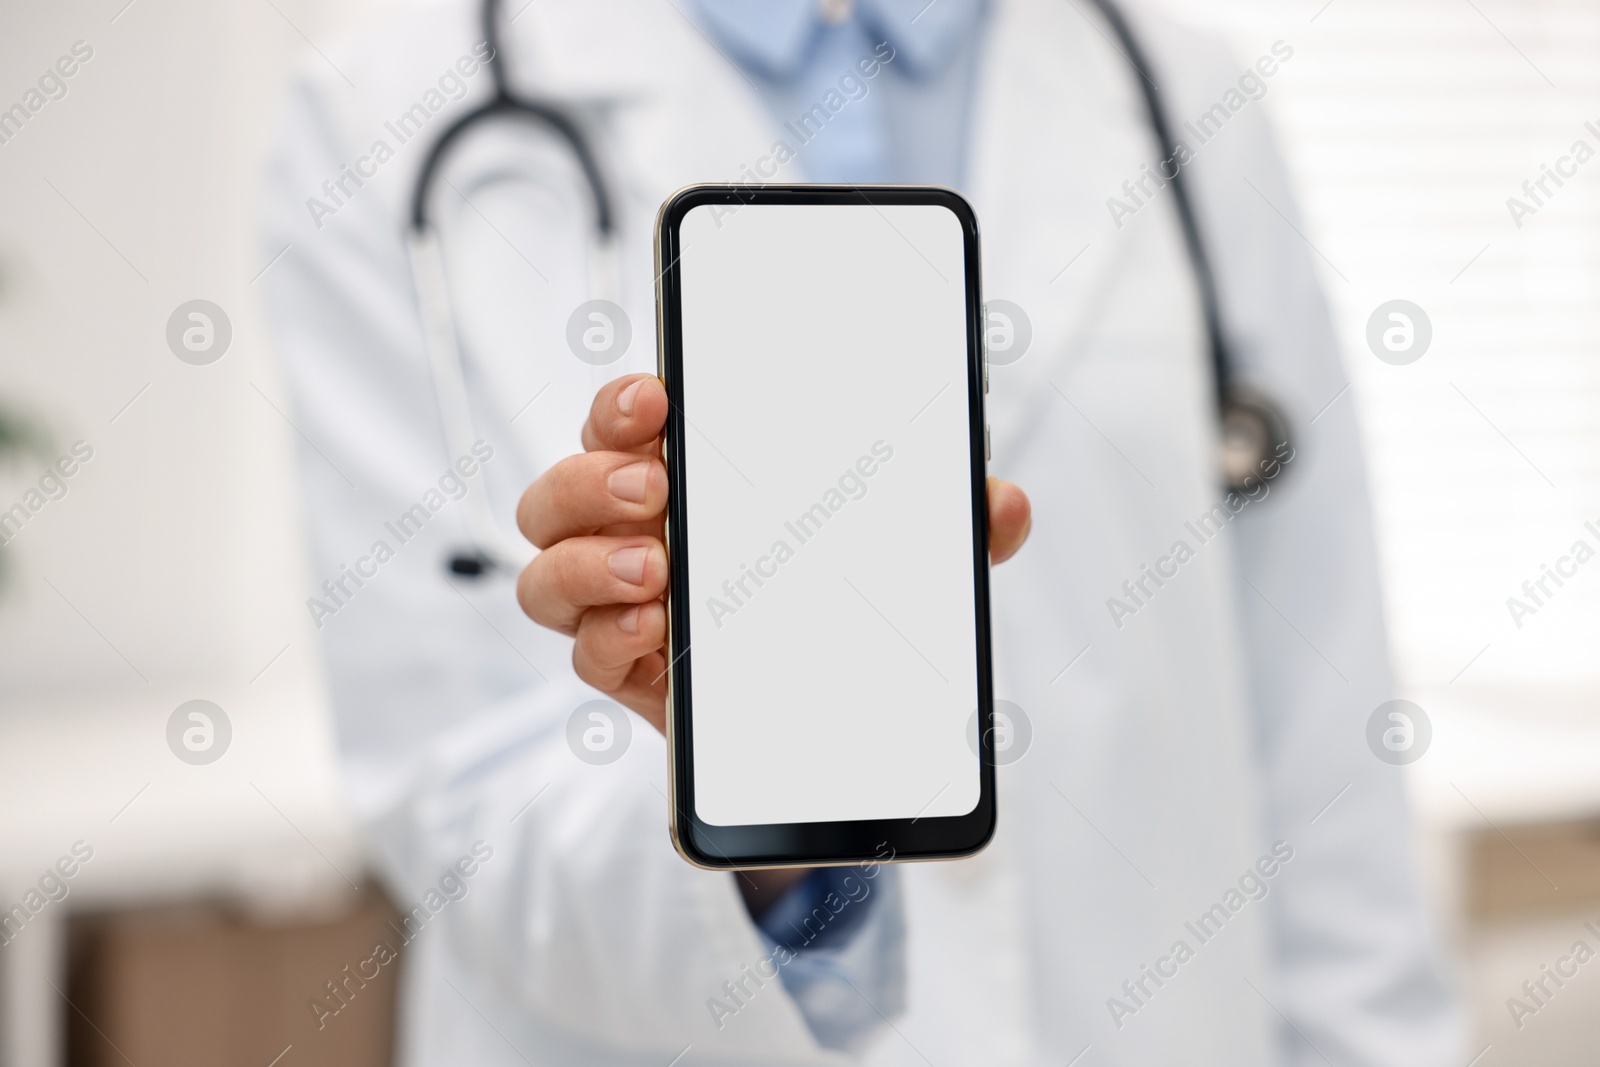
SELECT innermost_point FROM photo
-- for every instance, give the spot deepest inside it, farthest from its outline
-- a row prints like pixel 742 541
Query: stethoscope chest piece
pixel 1254 443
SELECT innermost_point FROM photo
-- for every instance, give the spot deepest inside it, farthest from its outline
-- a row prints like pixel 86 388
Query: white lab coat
pixel 1171 754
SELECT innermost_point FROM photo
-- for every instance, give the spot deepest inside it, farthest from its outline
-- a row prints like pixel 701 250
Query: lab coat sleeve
pixel 584 915
pixel 452 709
pixel 1361 978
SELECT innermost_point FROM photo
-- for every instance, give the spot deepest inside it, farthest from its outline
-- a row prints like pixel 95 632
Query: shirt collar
pixel 774 38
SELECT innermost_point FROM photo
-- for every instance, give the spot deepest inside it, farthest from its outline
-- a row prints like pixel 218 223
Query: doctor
pixel 1198 859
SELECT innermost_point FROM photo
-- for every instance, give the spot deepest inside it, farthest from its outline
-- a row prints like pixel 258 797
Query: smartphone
pixel 830 699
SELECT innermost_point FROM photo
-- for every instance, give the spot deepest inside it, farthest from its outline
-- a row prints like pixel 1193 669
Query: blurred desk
pixel 265 825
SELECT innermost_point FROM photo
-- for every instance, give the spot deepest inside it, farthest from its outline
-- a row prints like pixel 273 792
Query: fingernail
pixel 626 398
pixel 628 621
pixel 628 483
pixel 628 564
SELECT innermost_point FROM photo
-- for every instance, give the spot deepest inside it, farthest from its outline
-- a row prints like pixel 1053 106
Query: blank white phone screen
pixel 828 483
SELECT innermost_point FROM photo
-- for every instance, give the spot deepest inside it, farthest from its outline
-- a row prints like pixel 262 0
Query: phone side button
pixel 986 442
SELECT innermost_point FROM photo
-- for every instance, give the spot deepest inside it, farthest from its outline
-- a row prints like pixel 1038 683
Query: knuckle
pixel 527 511
pixel 589 672
pixel 527 598
pixel 572 480
pixel 580 667
pixel 539 589
pixel 600 651
pixel 540 501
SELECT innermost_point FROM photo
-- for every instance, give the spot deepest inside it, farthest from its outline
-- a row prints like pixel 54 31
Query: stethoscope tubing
pixel 493 549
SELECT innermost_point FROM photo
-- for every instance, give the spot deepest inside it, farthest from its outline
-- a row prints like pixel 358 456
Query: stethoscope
pixel 491 548
pixel 1254 430
pixel 1255 433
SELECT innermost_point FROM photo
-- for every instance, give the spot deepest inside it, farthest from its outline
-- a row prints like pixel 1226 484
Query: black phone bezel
pixel 822 843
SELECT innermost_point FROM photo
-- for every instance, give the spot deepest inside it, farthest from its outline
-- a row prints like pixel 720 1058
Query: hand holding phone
pixel 803 327
pixel 598 517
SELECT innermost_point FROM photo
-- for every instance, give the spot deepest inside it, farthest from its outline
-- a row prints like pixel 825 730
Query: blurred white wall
pixel 171 569
pixel 1407 126
pixel 129 196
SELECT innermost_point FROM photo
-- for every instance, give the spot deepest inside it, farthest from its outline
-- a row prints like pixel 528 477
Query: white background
pixel 173 569
pixel 842 688
pixel 1407 126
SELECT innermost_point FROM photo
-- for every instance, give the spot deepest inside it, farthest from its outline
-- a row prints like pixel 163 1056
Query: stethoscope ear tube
pixel 1255 431
pixel 492 550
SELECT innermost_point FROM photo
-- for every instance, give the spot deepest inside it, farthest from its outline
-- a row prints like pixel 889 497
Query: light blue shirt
pixel 906 121
pixel 881 93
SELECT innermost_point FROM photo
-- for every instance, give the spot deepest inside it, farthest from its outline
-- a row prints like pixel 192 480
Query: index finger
pixel 627 415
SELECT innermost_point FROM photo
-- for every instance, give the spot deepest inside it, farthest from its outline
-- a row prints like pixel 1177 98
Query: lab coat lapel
pixel 1058 128
pixel 676 110
pixel 1107 420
